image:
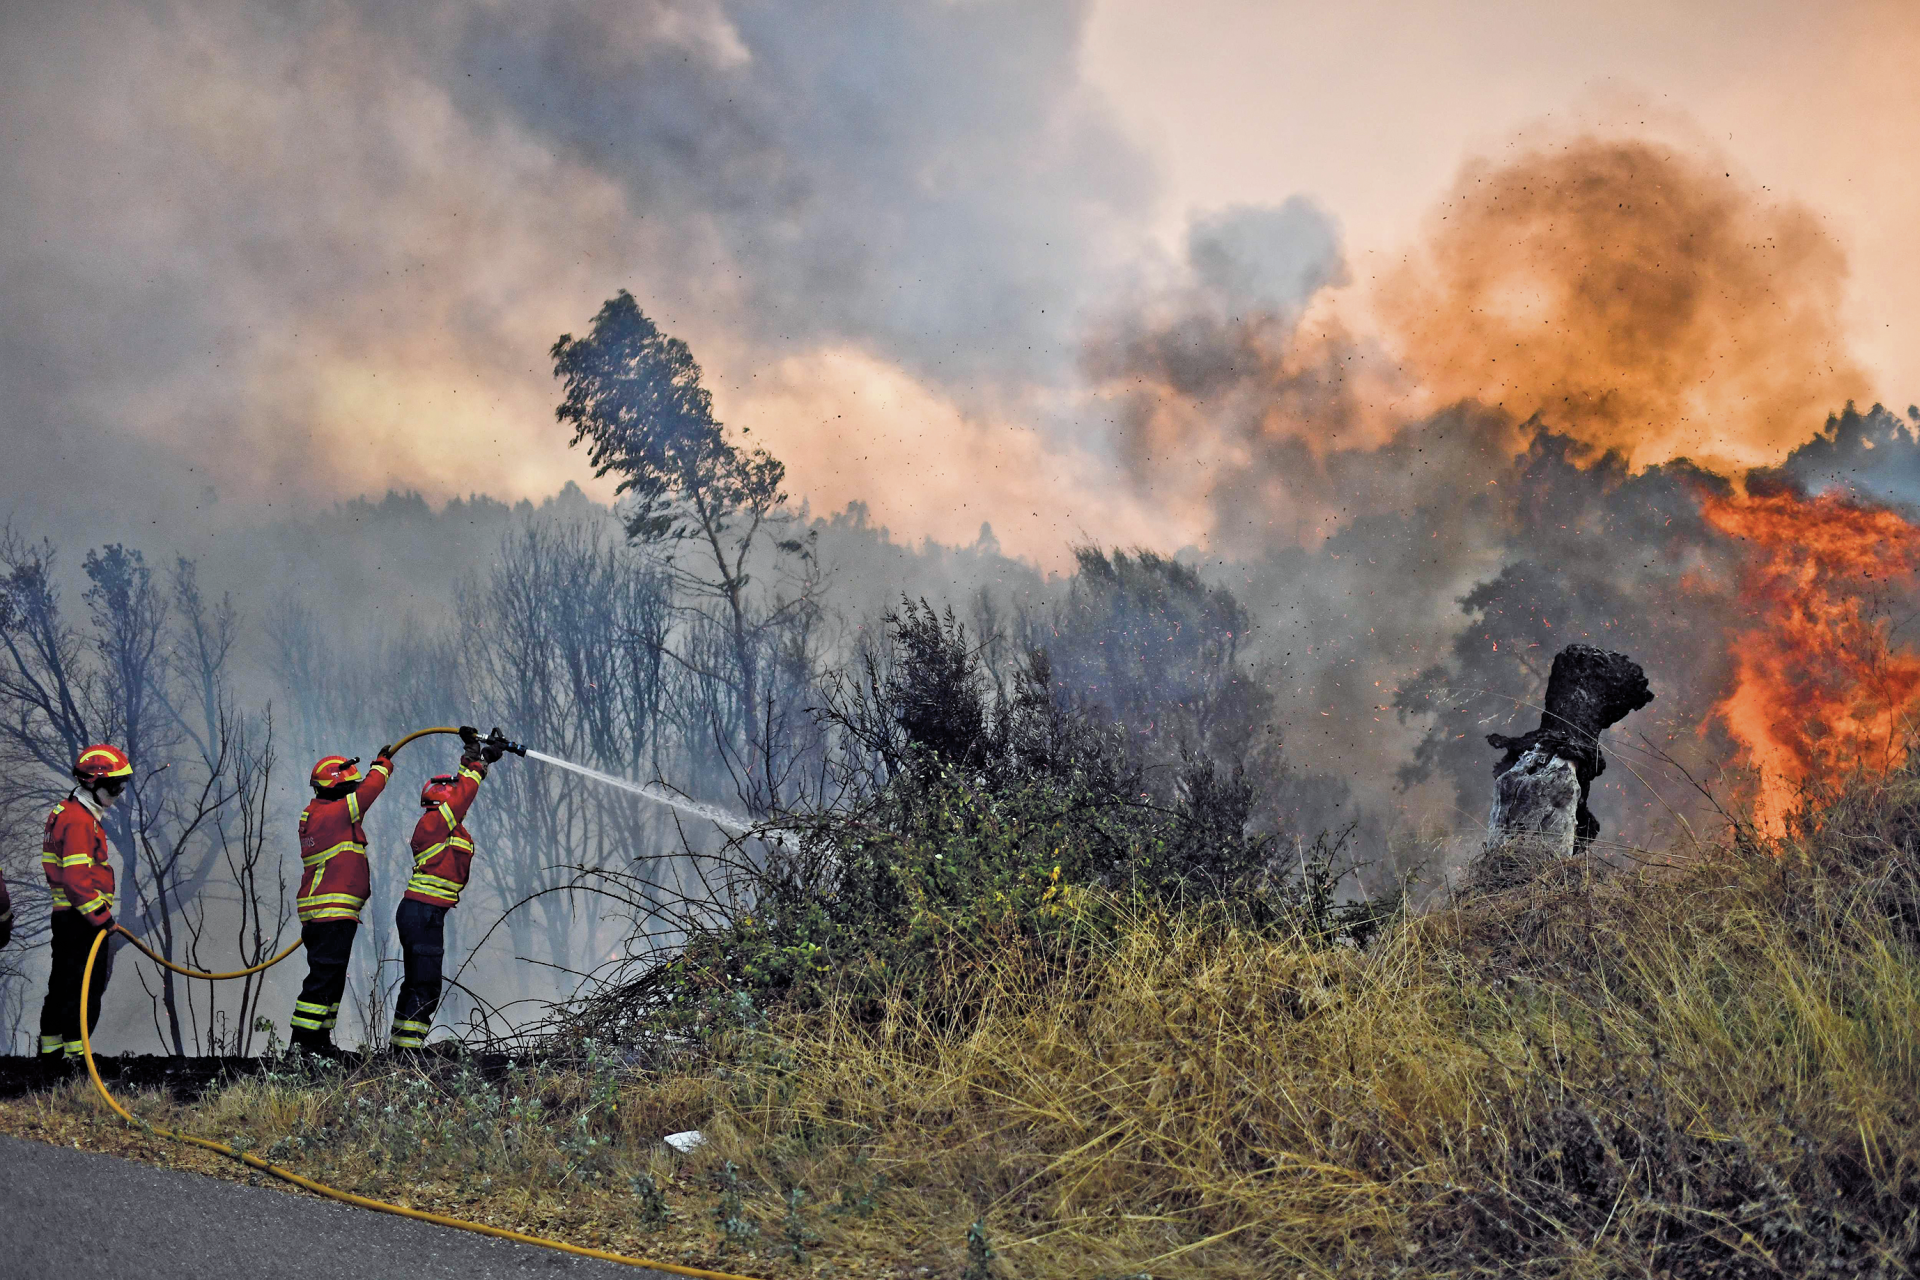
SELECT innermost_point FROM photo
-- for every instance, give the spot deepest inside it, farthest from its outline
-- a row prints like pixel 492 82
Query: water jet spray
pixel 653 791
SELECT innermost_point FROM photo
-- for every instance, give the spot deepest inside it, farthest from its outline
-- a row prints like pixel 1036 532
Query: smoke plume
pixel 1538 430
pixel 262 259
pixel 1640 299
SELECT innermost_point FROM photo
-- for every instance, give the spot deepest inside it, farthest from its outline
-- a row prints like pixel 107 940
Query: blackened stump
pixel 1540 809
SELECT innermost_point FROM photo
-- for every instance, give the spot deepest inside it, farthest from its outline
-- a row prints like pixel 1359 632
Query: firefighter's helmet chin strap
pixel 103 790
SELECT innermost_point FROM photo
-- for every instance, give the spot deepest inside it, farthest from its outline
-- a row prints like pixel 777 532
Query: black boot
pixel 317 1043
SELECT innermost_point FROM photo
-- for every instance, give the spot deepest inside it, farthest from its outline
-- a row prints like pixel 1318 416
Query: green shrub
pixel 982 819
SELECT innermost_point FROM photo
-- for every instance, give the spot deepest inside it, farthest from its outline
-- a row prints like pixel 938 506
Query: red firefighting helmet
pixel 334 771
pixel 99 763
pixel 439 790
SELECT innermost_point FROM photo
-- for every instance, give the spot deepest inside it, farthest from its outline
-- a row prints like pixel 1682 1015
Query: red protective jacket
pixel 74 856
pixel 442 849
pixel 333 849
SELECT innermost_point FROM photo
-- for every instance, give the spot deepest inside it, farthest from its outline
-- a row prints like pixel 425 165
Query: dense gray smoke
pixel 264 259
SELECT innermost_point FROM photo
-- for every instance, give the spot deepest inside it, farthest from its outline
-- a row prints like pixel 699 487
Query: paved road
pixel 156 1224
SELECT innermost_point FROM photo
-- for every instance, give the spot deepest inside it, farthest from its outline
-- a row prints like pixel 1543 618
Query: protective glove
pixel 470 736
pixel 494 746
pixel 384 756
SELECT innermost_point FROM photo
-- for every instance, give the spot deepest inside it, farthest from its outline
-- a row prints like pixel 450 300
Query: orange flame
pixel 1820 690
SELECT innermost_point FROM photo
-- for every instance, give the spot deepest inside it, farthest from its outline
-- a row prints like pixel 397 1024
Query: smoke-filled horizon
pixel 262 263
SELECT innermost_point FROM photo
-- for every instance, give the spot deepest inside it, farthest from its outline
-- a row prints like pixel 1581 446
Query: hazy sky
pixel 265 257
pixel 1371 107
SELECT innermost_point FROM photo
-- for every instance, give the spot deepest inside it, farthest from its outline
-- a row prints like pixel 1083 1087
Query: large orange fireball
pixel 1821 689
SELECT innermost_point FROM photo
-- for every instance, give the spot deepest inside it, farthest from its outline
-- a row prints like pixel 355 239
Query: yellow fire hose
pixel 421 733
pixel 321 1188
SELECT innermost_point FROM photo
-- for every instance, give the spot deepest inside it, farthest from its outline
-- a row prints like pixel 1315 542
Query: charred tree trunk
pixel 1540 812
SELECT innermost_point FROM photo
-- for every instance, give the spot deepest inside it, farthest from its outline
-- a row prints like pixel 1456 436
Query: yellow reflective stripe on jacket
pixel 353 806
pixel 329 906
pixel 77 860
pixel 433 851
pixel 446 814
pixel 443 891
pixel 98 902
pixel 316 899
pixel 475 774
pixel 315 859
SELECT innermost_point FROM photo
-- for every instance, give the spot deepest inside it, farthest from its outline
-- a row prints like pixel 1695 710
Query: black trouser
pixel 423 941
pixel 60 1016
pixel 329 945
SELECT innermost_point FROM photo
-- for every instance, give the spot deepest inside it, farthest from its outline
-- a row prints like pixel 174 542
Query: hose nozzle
pixel 500 742
pixel 495 741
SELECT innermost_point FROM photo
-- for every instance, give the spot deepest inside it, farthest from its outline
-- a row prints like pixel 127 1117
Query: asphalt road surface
pixel 66 1213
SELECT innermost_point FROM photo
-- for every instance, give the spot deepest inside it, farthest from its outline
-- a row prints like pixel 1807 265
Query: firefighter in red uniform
pixel 334 885
pixel 74 856
pixel 442 856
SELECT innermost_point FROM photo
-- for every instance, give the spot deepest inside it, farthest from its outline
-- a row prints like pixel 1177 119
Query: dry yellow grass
pixel 1713 1072
pixel 1709 1073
